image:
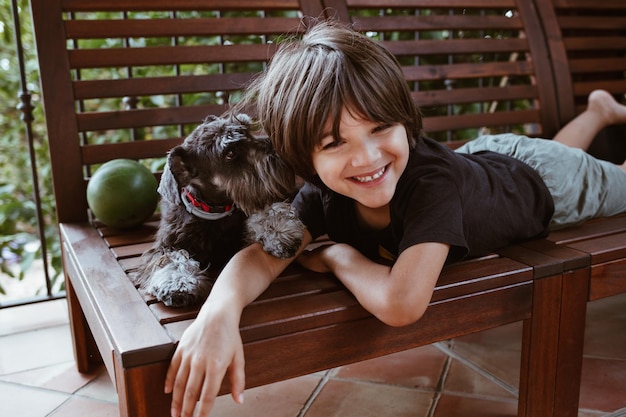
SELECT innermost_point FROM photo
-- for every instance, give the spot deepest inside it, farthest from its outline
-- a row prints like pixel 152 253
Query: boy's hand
pixel 314 259
pixel 208 349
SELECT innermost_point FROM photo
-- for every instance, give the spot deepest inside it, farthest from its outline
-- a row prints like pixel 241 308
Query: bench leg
pixel 140 391
pixel 552 346
pixel 571 341
pixel 86 352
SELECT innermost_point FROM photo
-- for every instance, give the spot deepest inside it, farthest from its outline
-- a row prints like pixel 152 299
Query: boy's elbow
pixel 399 314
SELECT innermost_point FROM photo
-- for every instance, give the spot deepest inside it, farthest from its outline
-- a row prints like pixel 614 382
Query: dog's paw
pixel 278 229
pixel 179 282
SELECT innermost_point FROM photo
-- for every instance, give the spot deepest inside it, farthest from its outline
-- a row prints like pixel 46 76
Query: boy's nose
pixel 365 152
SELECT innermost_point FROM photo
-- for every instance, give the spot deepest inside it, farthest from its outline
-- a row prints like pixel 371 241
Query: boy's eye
pixel 327 145
pixel 381 128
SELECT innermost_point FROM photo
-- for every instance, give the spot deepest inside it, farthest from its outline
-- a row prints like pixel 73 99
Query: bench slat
pixel 142 5
pixel 167 55
pixel 436 22
pixel 431 3
pixel 205 27
pixel 158 148
pixel 145 86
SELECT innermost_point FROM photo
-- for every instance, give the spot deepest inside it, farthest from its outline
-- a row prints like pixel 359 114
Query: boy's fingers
pixel 172 370
pixel 179 389
pixel 207 400
pixel 237 375
pixel 191 392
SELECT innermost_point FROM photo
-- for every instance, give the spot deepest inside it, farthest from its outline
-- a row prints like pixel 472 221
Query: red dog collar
pixel 203 210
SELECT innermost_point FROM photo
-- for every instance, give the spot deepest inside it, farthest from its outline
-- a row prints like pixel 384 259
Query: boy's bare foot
pixel 603 104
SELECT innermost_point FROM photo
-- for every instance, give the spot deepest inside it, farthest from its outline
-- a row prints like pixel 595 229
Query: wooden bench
pixel 134 80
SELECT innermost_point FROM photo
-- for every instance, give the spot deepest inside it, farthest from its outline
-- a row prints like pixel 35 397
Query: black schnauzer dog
pixel 221 189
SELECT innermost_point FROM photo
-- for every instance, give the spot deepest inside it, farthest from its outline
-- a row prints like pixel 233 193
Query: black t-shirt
pixel 476 203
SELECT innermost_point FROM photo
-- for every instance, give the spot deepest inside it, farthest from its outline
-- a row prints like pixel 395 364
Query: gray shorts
pixel 582 186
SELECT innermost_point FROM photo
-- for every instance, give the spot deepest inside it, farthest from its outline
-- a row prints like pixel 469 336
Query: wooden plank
pixel 59 107
pixel 201 27
pixel 467 71
pixel 474 95
pixel 589 230
pixel 143 5
pixel 455 46
pixel 589 4
pixel 141 390
pixel 97 154
pixel 589 22
pixel 168 55
pixel 540 350
pixel 464 121
pixel 162 116
pixel 431 3
pixel 603 249
pixel 436 22
pixel 336 345
pixel 179 84
pixel 607 279
pixel 105 287
pixel 571 337
pixel 595 43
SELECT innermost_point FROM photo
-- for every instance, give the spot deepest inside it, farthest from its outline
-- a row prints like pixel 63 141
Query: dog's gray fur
pixel 218 164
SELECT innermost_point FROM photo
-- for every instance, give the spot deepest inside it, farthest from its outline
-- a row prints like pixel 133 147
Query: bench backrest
pixel 474 65
pixel 587 42
pixel 131 78
pixel 140 76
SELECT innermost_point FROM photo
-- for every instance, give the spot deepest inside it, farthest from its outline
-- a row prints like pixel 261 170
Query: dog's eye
pixel 229 155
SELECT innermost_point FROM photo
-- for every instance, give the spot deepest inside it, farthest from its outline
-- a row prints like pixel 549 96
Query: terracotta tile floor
pixel 470 376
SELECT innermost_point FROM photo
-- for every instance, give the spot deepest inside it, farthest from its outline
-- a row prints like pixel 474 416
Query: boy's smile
pixel 365 162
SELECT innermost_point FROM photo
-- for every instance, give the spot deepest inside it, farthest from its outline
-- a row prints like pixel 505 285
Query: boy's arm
pixel 211 345
pixel 397 295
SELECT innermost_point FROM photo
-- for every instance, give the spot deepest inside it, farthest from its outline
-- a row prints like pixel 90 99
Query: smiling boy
pixel 338 110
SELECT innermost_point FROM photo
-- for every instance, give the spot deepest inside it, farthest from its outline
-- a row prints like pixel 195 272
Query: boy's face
pixel 365 163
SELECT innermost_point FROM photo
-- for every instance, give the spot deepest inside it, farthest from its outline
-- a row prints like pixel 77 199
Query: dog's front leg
pixel 179 281
pixel 277 228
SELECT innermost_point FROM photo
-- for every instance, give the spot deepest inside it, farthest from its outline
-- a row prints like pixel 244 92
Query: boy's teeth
pixel 371 177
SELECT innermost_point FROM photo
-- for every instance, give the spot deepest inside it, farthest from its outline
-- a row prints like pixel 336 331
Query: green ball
pixel 122 193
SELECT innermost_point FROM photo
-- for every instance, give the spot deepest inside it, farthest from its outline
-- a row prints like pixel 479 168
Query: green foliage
pixel 19 240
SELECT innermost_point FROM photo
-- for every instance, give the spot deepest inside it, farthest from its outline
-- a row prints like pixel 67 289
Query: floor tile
pixel 63 377
pixel 282 399
pixel 18 401
pixel 35 349
pixel 339 398
pixel 502 363
pixel 462 379
pixel 604 333
pixel 33 317
pixel 83 407
pixel 460 406
pixel 603 385
pixel 101 388
pixel 419 368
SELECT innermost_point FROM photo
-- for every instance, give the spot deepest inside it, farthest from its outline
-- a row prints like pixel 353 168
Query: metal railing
pixel 25 108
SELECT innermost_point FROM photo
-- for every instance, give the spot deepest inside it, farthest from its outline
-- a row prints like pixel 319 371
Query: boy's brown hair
pixel 310 81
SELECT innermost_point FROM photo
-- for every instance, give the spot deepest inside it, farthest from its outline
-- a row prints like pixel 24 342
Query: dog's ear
pixel 168 188
pixel 175 176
